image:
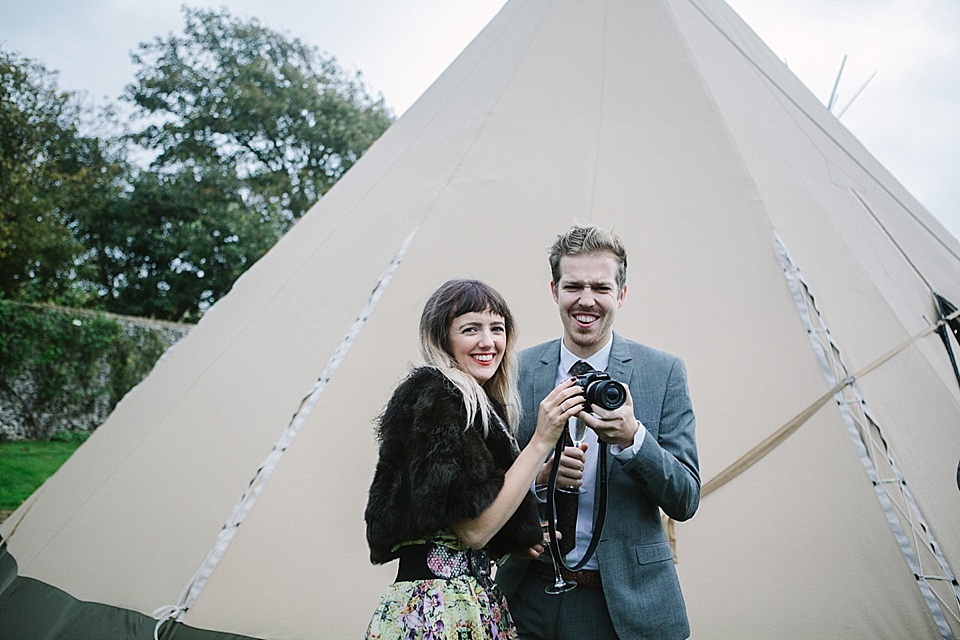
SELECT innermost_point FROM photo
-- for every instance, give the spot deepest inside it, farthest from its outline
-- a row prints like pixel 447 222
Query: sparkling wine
pixel 578 429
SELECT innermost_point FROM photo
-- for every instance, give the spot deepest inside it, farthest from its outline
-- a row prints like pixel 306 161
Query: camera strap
pixel 601 511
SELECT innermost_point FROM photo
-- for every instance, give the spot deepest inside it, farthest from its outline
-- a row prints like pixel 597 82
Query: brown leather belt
pixel 584 577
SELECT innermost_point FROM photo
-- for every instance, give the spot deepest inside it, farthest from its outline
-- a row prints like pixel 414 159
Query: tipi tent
pixel 794 275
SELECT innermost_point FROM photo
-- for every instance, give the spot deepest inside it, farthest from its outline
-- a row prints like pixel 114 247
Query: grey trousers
pixel 574 615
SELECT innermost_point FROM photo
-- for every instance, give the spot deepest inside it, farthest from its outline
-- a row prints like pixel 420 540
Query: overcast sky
pixel 908 116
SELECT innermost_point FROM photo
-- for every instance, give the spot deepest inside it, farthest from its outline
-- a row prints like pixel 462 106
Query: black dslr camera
pixel 600 389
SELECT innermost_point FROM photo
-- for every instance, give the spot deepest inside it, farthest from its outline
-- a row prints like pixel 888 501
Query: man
pixel 629 589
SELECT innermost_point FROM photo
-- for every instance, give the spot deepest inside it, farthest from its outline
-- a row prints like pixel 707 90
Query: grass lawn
pixel 24 465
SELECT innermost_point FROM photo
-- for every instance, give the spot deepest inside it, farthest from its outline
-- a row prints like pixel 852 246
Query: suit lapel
pixel 620 368
pixel 543 365
pixel 546 377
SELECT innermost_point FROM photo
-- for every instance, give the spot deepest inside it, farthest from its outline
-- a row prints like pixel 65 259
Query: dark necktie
pixel 567 502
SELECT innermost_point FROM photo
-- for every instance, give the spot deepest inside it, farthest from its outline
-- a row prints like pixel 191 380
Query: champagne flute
pixel 577 429
pixel 559 584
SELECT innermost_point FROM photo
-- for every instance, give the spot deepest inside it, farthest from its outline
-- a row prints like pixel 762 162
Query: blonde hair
pixel 455 298
pixel 580 240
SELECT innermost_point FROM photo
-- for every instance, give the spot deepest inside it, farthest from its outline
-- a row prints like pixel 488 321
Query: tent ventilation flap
pixel 934 576
pixel 950 324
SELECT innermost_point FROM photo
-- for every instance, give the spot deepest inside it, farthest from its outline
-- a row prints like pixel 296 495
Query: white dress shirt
pixel 599 362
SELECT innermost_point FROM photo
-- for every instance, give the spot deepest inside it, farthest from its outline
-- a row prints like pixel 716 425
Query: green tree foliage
pixel 245 129
pixel 284 118
pixel 177 242
pixel 51 178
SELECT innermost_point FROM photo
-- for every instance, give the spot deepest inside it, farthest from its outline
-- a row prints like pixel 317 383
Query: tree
pixel 234 94
pixel 51 178
pixel 248 128
pixel 176 243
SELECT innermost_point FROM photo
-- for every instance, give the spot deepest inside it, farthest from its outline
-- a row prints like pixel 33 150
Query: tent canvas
pixel 767 248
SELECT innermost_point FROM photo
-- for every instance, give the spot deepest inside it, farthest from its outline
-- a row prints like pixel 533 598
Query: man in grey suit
pixel 629 589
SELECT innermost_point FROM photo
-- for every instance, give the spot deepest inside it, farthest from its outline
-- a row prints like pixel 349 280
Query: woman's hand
pixel 561 404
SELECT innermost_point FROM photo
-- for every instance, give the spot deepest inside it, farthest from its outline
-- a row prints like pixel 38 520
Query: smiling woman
pixel 477 342
pixel 451 491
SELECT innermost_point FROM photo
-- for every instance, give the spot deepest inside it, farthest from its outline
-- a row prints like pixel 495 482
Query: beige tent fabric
pixel 667 120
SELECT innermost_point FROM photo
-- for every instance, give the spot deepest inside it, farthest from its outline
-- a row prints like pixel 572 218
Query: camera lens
pixel 608 394
pixel 611 394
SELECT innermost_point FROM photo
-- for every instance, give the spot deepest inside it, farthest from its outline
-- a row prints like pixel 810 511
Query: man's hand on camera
pixel 618 426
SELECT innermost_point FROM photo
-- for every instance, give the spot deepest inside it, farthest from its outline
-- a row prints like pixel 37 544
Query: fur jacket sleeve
pixel 433 471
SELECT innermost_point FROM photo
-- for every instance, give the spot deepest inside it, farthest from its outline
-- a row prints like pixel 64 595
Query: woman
pixel 450 489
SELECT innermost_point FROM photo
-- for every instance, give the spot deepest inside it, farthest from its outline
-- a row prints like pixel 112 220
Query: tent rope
pixel 262 475
pixel 753 456
pixel 163 614
pixel 904 517
pixel 872 450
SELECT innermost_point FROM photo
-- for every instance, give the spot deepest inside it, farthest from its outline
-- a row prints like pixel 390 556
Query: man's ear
pixel 623 294
pixel 553 291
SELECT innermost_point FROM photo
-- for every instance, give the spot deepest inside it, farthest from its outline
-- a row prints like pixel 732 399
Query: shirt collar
pixel 598 360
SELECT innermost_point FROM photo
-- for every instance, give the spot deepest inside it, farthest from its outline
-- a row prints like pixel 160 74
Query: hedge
pixel 65 369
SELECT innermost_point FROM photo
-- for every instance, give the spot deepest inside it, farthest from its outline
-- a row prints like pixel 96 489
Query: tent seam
pixel 602 94
pixel 820 127
pixel 255 487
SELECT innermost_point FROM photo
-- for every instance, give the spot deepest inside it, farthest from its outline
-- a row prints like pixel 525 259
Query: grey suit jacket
pixel 636 563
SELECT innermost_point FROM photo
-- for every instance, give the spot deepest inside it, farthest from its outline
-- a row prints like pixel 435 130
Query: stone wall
pixel 66 369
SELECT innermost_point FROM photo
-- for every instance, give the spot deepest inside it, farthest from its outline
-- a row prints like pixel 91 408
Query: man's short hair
pixel 579 240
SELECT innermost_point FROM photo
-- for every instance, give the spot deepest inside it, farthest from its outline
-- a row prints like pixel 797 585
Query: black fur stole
pixel 433 472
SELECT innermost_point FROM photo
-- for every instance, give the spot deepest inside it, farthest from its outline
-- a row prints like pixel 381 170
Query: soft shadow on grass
pixel 25 465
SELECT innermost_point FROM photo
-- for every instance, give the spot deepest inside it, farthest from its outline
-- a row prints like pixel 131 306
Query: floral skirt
pixel 455 608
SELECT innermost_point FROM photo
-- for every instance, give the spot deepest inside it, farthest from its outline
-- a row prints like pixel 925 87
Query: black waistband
pixel 413 563
pixel 416 561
